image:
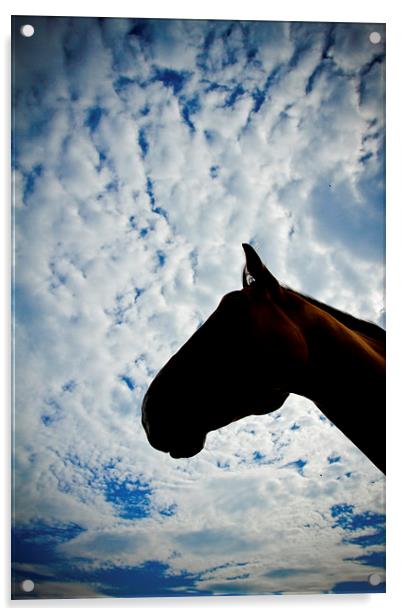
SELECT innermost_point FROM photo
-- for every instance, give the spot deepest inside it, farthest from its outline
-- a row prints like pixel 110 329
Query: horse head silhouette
pixel 260 344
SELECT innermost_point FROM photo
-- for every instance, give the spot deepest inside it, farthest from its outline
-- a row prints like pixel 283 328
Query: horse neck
pixel 342 366
pixel 344 376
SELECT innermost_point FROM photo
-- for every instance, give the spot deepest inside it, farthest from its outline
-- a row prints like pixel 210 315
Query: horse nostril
pixel 157 437
pixel 155 428
pixel 145 424
pixel 144 415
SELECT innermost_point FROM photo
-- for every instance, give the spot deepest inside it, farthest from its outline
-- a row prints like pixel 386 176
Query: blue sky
pixel 144 153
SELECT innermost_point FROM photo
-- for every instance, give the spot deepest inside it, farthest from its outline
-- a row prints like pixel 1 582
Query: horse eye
pixel 250 280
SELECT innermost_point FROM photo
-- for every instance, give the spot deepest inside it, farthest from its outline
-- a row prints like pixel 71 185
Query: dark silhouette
pixel 262 343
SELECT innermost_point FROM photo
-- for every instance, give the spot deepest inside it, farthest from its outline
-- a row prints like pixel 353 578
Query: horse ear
pixel 257 270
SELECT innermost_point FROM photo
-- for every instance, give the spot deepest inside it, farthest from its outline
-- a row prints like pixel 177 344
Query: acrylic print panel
pixel 145 152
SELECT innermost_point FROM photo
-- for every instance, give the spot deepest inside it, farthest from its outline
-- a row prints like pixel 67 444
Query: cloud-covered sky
pixel 144 153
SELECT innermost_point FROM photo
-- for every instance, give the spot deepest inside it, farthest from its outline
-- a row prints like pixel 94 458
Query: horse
pixel 262 343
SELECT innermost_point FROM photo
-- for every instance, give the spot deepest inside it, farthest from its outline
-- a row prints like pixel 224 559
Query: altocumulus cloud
pixel 145 152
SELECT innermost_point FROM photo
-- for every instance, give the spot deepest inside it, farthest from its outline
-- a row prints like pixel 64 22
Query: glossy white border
pixel 342 10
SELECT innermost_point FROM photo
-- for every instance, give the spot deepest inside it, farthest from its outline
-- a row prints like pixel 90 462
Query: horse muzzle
pixel 173 436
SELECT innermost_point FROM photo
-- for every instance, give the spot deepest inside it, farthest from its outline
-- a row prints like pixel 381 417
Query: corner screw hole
pixel 27 585
pixel 375 38
pixel 27 30
pixel 374 579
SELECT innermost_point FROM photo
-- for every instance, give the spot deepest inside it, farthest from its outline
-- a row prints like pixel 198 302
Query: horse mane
pixel 366 328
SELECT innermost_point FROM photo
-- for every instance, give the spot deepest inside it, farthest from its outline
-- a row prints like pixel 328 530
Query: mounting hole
pixel 27 585
pixel 27 30
pixel 374 579
pixel 375 38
